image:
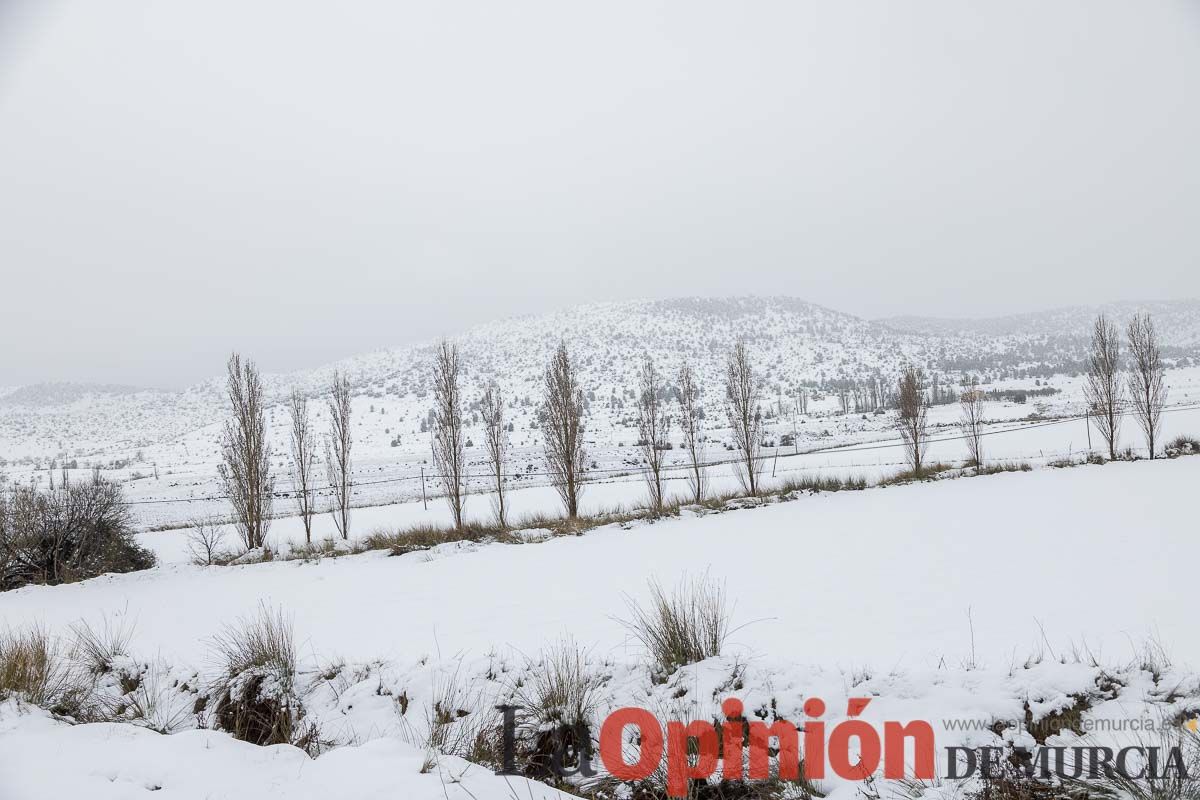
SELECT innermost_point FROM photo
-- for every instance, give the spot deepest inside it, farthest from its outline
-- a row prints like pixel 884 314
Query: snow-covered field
pixel 1037 443
pixel 985 599
pixel 947 600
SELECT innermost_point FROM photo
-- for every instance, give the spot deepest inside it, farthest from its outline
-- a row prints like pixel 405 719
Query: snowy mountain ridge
pixel 794 343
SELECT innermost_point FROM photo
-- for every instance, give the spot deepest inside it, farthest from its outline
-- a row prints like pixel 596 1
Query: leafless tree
pixel 910 419
pixel 449 451
pixel 743 393
pixel 1103 389
pixel 206 540
pixel 337 453
pixel 970 405
pixel 562 425
pixel 246 457
pixel 75 531
pixel 495 438
pixel 303 459
pixel 654 425
pixel 1146 385
pixel 690 420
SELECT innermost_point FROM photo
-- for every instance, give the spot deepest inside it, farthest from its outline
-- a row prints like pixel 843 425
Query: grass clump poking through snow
pixel 257 699
pixel 818 483
pixel 998 467
pixel 425 536
pixel 264 642
pixel 561 689
pixel 556 706
pixel 98 650
pixel 1168 784
pixel 32 668
pixel 683 627
pixel 458 723
pixel 925 473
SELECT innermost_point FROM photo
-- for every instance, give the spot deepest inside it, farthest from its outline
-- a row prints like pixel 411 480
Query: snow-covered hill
pixel 794 343
pixel 1178 322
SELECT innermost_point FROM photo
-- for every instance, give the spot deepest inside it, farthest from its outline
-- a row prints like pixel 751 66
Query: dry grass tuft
pixel 96 649
pixel 256 695
pixel 34 669
pixel 926 473
pixel 561 689
pixel 683 627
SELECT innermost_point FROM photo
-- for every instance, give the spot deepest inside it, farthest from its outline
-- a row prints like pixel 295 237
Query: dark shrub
pixel 67 534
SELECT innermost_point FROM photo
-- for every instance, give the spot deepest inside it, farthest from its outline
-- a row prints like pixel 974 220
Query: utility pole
pixel 424 502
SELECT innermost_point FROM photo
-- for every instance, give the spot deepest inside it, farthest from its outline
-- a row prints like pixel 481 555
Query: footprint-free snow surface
pixel 903 581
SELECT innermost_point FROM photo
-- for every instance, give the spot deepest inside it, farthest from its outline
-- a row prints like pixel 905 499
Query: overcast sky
pixel 308 180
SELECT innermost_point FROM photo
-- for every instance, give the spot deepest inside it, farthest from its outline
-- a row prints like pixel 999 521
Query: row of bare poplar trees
pixel 250 486
pixel 245 468
pixel 1107 381
pixel 562 424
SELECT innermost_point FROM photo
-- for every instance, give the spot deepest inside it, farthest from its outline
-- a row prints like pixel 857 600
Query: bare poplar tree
pixel 496 441
pixel 337 453
pixel 449 451
pixel 910 419
pixel 245 454
pixel 742 399
pixel 1103 389
pixel 303 459
pixel 970 405
pixel 1146 377
pixel 562 426
pixel 654 425
pixel 690 414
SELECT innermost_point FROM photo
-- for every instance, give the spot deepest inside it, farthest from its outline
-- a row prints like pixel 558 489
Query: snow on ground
pixel 883 576
pixel 41 758
pixel 957 599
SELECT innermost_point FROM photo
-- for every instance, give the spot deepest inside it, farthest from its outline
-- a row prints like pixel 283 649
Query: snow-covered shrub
pixel 256 697
pixel 557 702
pixel 73 532
pixel 684 627
pixel 1182 446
